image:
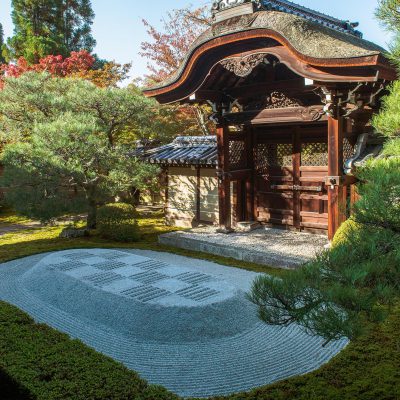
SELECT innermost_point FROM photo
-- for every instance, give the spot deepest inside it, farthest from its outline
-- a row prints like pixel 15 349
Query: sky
pixel 118 27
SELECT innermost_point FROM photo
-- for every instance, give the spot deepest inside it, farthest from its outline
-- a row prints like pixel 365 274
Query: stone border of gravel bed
pixel 266 246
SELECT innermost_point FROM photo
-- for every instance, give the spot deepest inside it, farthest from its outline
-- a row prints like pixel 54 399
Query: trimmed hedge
pixel 348 228
pixel 117 221
pixel 37 362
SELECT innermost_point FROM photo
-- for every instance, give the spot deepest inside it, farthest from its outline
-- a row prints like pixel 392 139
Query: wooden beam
pixel 336 189
pixel 224 182
pixel 279 115
pixel 249 149
pixel 287 86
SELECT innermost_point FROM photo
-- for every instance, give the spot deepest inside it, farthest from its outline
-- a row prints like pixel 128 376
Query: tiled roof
pixel 185 150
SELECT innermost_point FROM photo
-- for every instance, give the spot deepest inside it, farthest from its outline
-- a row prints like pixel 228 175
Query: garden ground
pixel 39 363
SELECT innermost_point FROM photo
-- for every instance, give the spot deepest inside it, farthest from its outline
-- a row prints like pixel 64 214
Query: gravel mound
pixel 180 322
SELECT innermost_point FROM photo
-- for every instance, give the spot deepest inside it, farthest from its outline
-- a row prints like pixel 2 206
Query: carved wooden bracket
pixel 350 101
pixel 243 66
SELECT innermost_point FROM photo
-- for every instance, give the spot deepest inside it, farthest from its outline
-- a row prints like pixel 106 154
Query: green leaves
pixel 387 121
pixel 72 158
pixel 354 283
pixel 380 194
pixel 2 59
pixel 44 27
pixel 388 12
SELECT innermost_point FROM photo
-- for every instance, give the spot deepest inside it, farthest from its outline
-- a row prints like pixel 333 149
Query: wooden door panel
pixel 313 193
pixel 290 179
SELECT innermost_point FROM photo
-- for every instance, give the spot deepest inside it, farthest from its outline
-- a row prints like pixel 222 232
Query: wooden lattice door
pixel 290 171
pixel 312 192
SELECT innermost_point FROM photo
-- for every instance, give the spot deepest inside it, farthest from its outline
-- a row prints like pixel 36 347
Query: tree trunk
pixel 92 215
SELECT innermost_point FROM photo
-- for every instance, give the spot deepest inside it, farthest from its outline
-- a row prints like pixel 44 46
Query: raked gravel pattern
pixel 180 322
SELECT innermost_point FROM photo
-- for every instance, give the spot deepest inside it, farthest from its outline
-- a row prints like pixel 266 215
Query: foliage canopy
pixel 2 59
pixel 358 281
pixel 165 50
pixel 64 151
pixel 48 27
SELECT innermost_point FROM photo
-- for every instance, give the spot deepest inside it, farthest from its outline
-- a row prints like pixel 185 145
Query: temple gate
pixel 292 93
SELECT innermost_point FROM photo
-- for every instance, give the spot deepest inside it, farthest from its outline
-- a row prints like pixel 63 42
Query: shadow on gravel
pixel 12 390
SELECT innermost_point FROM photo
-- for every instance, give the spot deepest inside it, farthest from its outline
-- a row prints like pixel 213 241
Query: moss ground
pixel 37 362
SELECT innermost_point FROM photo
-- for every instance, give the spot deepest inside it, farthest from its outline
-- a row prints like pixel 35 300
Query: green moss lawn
pixel 37 362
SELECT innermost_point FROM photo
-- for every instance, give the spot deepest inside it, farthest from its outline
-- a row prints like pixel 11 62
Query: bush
pixel 346 230
pixel 116 221
pixel 41 363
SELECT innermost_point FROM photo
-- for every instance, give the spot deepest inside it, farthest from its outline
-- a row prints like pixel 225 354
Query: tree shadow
pixel 10 389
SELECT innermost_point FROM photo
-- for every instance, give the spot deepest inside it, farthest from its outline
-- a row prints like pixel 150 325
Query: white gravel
pixel 180 322
pixel 275 247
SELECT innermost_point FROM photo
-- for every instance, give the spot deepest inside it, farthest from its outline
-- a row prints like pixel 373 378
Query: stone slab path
pixel 180 322
pixel 13 228
pixel 266 246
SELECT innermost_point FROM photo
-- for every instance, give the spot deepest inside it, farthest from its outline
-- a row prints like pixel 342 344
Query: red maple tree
pixel 165 51
pixel 168 46
pixel 77 62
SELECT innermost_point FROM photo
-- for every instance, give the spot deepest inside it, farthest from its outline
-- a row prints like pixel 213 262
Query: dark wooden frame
pixel 337 80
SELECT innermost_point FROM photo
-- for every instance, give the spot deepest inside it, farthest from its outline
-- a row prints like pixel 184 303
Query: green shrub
pixel 40 363
pixel 346 230
pixel 157 393
pixel 113 213
pixel 117 221
pixel 126 232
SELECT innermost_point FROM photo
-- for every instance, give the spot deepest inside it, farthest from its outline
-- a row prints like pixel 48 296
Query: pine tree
pixel 2 60
pixel 388 13
pixel 76 18
pixel 339 293
pixel 49 27
pixel 75 158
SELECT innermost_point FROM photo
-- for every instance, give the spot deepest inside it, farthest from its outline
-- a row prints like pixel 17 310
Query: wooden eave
pixel 207 56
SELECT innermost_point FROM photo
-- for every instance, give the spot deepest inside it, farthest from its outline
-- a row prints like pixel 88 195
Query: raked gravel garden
pixel 177 318
pixel 182 323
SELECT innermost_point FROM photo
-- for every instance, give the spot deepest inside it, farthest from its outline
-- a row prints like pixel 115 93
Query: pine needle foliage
pixel 48 27
pixel 388 13
pixel 63 150
pixel 357 282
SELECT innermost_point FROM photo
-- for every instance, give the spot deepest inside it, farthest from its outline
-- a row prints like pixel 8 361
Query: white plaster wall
pixel 181 206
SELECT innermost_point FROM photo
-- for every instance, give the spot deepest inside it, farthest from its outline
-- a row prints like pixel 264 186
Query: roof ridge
pixel 332 22
pixel 290 7
pixel 194 140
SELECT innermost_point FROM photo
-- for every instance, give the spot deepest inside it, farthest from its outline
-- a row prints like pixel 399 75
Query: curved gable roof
pixel 308 41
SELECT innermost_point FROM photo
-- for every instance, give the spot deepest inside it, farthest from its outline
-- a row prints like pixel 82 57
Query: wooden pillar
pixel 254 141
pixel 224 182
pixel 296 158
pixel 198 194
pixel 249 149
pixel 336 190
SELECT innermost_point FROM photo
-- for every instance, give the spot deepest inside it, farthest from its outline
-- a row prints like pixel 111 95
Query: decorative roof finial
pixel 221 6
